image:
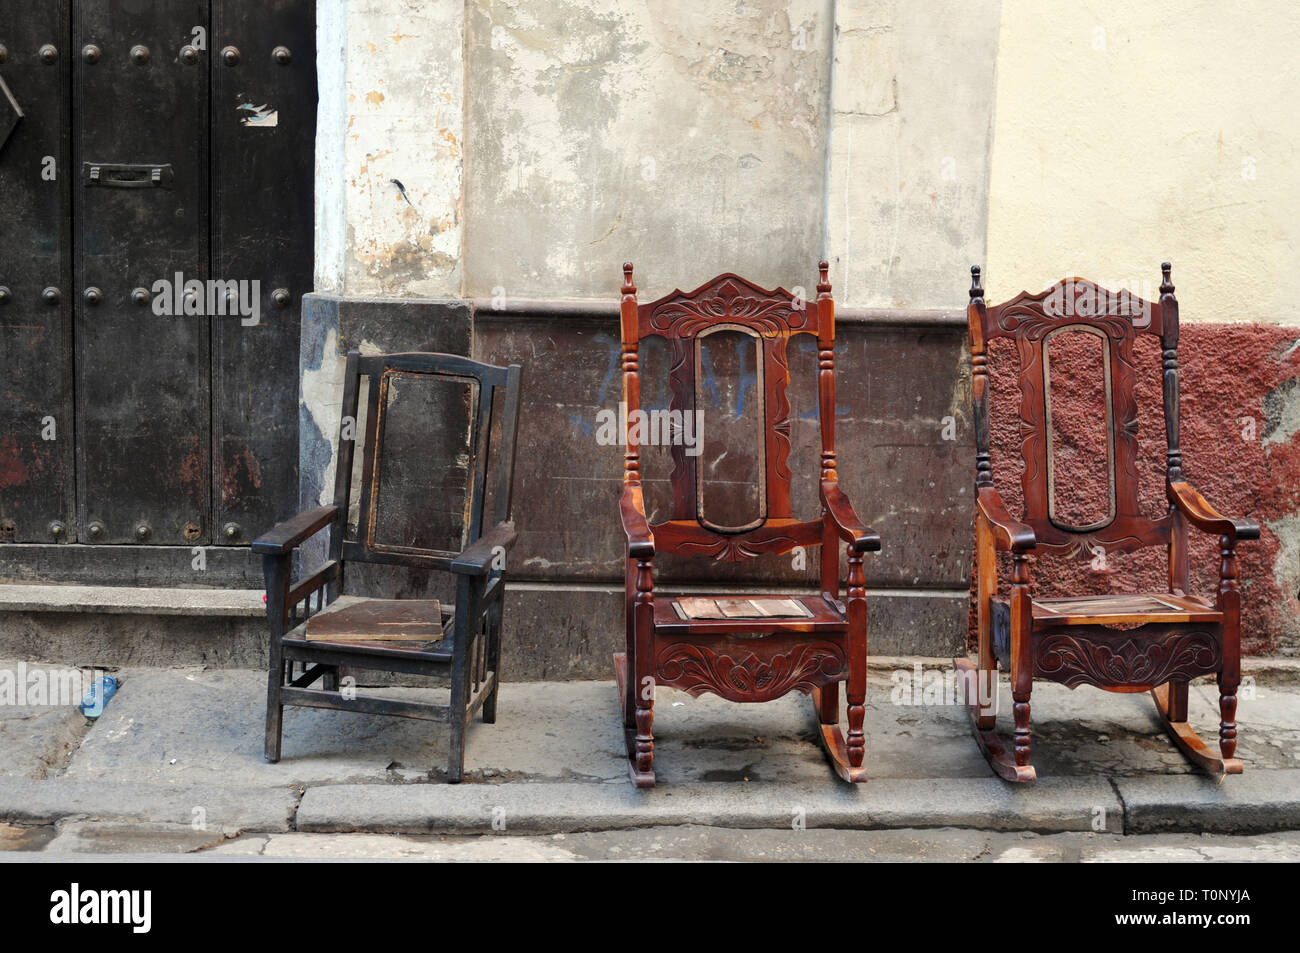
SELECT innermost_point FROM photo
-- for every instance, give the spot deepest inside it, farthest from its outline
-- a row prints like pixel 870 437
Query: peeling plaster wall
pixel 687 137
pixel 391 89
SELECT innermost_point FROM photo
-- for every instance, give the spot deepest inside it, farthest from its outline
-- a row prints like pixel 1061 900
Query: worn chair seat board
pixel 1121 641
pixel 437 526
pixel 745 648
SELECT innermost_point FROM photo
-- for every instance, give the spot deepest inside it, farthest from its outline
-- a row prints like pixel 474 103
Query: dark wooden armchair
pixel 745 649
pixel 1121 642
pixel 412 513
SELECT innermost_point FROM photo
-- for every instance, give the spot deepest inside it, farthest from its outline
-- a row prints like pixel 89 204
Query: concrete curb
pixel 1255 802
pixel 1054 805
pixel 1252 802
pixel 26 801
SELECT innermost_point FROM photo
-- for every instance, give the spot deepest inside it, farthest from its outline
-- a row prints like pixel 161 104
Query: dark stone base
pixel 110 640
pixel 224 567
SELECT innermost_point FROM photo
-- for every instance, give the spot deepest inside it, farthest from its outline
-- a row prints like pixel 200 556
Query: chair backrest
pixel 767 320
pixel 1113 320
pixel 427 441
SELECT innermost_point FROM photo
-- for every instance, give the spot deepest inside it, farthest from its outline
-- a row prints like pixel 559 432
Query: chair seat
pixel 823 615
pixel 381 612
pixel 1118 609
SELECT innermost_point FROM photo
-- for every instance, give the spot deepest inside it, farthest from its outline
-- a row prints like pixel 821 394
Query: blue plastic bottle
pixel 101 690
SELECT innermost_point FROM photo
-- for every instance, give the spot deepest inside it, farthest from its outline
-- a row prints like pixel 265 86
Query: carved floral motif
pixel 695 668
pixel 1138 660
pixel 734 301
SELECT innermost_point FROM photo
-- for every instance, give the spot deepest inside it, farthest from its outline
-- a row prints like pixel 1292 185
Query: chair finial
pixel 976 291
pixel 1166 286
pixel 824 284
pixel 628 287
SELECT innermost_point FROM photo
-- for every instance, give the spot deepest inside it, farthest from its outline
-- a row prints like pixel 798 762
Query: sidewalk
pixel 181 750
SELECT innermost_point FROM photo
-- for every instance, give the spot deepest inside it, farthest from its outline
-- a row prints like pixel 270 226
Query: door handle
pixel 110 175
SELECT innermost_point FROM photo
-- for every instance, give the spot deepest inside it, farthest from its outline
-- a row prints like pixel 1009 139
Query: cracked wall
pixel 389 153
pixel 907 200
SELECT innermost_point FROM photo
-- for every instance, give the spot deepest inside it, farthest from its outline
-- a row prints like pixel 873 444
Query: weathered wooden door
pixel 156 180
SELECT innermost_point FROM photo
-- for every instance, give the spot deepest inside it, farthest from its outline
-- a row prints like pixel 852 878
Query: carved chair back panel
pixel 728 355
pixel 1055 323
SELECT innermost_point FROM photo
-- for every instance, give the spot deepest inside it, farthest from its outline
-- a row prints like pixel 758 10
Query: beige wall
pixel 1128 132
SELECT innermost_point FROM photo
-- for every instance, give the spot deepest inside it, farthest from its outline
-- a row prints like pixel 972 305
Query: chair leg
pixel 1010 764
pixel 856 688
pixel 1227 718
pixel 456 753
pixel 847 754
pixel 1021 738
pixel 330 681
pixel 274 712
pixel 456 715
pixel 986 586
pixel 641 684
pixel 276 571
pixel 636 698
pixel 468 607
pixel 493 664
pixel 645 739
pixel 827 702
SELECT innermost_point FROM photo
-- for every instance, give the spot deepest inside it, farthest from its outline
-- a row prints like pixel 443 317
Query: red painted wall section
pixel 1241 449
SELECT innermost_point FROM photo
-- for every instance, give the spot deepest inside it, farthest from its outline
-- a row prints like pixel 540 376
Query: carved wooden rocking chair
pixel 751 649
pixel 1137 642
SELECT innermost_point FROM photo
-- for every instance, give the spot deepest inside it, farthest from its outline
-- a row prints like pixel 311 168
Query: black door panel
pixel 143 378
pixel 36 420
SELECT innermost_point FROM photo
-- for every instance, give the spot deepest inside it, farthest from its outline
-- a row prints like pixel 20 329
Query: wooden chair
pixel 665 646
pixel 1129 642
pixel 394 529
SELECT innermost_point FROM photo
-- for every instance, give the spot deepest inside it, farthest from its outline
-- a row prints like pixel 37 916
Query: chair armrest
pixel 286 536
pixel 476 558
pixel 1205 517
pixel 1009 534
pixel 640 540
pixel 851 529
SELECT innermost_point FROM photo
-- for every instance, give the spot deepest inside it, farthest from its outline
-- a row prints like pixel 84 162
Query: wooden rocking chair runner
pixel 1154 642
pixel 809 644
pixel 468 648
